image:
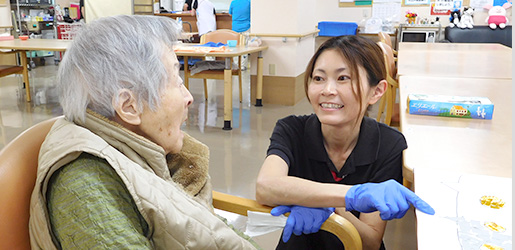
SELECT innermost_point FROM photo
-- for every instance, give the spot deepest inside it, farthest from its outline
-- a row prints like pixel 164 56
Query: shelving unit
pixel 44 29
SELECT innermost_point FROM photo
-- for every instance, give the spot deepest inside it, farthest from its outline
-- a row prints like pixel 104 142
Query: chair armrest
pixel 335 224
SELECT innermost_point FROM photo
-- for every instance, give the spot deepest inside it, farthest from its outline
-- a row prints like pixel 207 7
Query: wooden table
pixel 29 45
pixel 470 60
pixel 228 55
pixel 466 145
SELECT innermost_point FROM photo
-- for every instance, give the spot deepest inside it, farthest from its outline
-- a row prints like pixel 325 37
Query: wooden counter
pixel 223 20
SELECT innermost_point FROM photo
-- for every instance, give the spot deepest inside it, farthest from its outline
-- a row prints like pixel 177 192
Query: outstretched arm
pixel 274 187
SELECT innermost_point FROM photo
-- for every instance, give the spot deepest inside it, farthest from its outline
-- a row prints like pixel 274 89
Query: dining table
pixel 477 146
pixel 468 60
pixel 188 50
pixel 31 45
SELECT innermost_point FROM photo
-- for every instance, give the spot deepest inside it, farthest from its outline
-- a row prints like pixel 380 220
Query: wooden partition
pixel 223 20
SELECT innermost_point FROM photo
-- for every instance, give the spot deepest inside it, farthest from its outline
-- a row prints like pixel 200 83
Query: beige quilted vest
pixel 177 206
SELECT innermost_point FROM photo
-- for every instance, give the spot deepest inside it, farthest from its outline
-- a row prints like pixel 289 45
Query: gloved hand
pixel 390 198
pixel 302 219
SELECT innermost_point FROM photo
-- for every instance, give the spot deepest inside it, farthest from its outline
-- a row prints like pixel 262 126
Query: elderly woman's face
pixel 163 126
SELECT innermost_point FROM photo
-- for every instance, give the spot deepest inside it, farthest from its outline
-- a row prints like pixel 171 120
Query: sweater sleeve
pixel 90 208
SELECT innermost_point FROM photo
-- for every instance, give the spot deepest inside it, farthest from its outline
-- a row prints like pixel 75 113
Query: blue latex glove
pixel 390 198
pixel 302 219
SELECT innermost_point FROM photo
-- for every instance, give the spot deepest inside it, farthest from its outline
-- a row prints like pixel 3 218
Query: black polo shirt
pixel 377 157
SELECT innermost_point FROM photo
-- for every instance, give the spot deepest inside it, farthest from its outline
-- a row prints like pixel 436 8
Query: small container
pixel 232 43
pixel 23 37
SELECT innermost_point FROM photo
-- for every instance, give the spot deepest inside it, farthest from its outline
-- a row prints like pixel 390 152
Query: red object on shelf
pixel 67 31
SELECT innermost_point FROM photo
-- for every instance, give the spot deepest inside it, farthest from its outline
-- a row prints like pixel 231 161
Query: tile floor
pixel 236 155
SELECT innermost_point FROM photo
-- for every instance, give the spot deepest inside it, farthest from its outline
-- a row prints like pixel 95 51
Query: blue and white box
pixel 451 106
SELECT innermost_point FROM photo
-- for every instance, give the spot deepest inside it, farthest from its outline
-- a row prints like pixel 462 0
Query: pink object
pixel 496 19
pixel 2 38
pixel 77 7
pixel 497 15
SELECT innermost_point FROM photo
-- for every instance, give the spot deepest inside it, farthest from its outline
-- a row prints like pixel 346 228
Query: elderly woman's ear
pixel 126 108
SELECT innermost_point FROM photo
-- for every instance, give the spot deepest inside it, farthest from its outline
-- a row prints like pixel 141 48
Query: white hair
pixel 114 53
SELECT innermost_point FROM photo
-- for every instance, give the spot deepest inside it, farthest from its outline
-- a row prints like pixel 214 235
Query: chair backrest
pixel 390 61
pixel 6 70
pixel 221 36
pixel 385 38
pixel 18 168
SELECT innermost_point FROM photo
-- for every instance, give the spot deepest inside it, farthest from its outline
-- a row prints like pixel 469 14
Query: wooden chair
pixel 6 70
pixel 217 36
pixel 388 99
pixel 18 168
pixel 385 38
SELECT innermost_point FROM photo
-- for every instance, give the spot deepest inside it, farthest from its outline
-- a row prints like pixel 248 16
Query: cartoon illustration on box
pixel 457 110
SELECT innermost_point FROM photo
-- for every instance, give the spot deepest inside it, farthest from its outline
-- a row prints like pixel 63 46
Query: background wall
pixel 288 57
pixel 328 10
pixel 293 17
pixel 100 8
pixel 5 15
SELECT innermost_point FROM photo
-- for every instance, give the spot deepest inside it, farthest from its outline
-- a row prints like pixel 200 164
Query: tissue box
pixel 337 28
pixel 451 106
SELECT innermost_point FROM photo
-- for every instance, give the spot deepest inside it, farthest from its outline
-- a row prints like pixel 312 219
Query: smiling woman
pixel 325 160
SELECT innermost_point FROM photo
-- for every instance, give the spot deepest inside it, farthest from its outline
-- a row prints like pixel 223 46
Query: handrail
pixel 285 35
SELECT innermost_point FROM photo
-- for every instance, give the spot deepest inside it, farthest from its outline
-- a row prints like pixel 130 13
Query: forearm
pixel 371 233
pixel 274 187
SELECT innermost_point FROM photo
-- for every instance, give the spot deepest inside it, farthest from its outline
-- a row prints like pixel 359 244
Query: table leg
pixel 227 94
pixel 23 59
pixel 259 91
pixel 186 73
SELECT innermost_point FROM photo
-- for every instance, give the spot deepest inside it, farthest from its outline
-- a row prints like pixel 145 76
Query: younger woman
pixel 314 160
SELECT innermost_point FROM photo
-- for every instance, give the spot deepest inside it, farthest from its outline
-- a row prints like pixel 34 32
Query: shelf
pixel 33 5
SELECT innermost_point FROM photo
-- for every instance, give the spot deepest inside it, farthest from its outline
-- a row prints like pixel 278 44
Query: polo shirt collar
pixel 364 153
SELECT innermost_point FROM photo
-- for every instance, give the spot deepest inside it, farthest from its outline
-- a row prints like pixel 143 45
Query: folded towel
pixel 211 44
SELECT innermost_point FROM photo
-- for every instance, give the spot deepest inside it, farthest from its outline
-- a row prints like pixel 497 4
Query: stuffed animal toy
pixel 467 18
pixel 497 15
pixel 455 18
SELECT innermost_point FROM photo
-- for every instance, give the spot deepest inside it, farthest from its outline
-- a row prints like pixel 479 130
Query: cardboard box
pixel 451 106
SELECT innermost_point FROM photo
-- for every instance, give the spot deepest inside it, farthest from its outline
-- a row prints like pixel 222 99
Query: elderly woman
pixel 117 172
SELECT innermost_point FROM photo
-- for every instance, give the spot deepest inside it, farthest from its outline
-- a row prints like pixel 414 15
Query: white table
pixel 458 144
pixel 468 60
pixel 459 219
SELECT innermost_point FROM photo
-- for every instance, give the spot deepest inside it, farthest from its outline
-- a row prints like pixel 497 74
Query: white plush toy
pixel 467 18
pixel 497 15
